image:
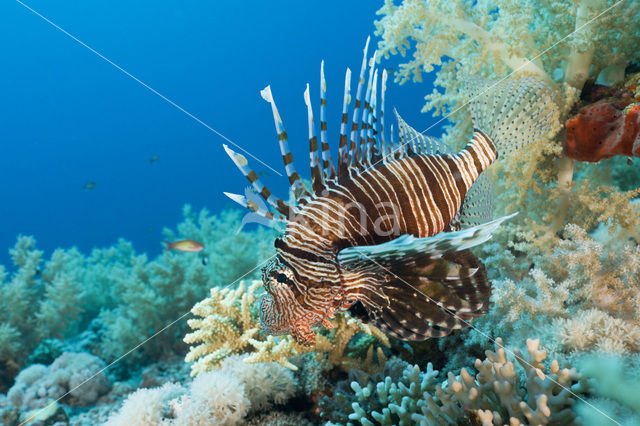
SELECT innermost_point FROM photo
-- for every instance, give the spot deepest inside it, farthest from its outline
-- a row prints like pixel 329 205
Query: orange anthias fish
pixel 188 246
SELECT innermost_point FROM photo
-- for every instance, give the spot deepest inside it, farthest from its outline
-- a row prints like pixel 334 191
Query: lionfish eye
pixel 281 278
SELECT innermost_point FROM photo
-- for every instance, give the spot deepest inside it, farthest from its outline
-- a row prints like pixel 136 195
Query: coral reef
pixel 497 394
pixel 614 386
pixel 583 297
pixel 117 296
pixel 565 269
pixel 79 377
pixel 222 396
pixel 229 324
pixel 500 37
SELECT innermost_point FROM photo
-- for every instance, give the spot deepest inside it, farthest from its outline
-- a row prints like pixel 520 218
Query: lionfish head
pixel 280 312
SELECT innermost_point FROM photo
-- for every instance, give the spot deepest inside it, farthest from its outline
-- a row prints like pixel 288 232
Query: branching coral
pixel 224 328
pixel 229 324
pixel 497 394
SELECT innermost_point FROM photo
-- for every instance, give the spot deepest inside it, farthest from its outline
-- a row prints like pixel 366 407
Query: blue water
pixel 68 117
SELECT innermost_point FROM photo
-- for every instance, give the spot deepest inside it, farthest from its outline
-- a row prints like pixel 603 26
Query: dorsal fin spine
pixel 356 111
pixel 343 153
pixel 241 162
pixel 283 140
pixel 372 130
pixel 362 149
pixel 244 202
pixel 383 89
pixel 390 154
pixel 317 180
pixel 329 170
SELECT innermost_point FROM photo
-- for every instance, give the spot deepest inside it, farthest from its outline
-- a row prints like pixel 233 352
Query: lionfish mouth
pixel 274 321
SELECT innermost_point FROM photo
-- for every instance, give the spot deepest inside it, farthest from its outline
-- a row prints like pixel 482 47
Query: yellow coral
pixel 227 326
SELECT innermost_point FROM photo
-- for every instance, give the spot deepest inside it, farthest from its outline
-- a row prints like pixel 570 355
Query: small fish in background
pixel 154 159
pixel 187 246
pixel 263 175
pixel 88 186
pixel 205 260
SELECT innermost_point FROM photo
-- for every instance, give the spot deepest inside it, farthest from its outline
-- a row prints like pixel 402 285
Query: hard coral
pixel 497 394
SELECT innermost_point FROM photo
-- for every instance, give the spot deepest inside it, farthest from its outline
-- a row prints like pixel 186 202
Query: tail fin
pixel 513 112
pixel 168 246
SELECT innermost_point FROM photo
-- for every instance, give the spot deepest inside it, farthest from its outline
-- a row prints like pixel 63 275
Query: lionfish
pixel 386 231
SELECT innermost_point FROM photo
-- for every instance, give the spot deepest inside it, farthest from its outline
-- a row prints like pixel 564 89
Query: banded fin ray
pixel 428 298
pixel 429 286
pixel 355 123
pixel 252 202
pixel 407 245
pixel 362 144
pixel 383 89
pixel 300 191
pixel 372 156
pixel 241 162
pixel 329 170
pixel 317 172
pixel 343 144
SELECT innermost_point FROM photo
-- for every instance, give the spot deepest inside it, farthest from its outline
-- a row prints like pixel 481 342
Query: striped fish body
pixel 418 195
pixel 386 231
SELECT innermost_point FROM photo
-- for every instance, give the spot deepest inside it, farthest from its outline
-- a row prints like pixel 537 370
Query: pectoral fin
pixel 423 287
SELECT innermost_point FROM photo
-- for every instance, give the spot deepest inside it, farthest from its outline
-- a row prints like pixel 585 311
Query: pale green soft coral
pixel 143 288
pixel 615 383
pixel 120 296
pixel 495 37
